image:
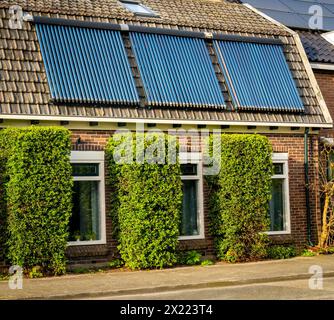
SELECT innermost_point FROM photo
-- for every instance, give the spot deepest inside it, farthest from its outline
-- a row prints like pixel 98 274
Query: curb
pixel 203 285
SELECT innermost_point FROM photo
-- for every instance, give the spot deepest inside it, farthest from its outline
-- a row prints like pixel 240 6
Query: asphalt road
pixel 285 290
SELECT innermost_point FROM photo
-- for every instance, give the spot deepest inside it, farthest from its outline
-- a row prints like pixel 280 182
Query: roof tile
pixel 317 48
pixel 31 95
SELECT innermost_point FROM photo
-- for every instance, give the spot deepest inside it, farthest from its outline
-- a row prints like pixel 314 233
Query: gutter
pixel 162 121
pixel 307 189
pixel 323 66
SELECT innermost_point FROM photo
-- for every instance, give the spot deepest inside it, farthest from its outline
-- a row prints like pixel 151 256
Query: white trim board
pixel 167 121
pixel 322 66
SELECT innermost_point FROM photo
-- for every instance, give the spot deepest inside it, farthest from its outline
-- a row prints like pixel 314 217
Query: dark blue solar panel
pixel 86 65
pixel 176 70
pixel 258 76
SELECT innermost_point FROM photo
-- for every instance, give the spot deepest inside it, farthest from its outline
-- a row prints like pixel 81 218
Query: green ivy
pixel 239 197
pixel 38 188
pixel 146 203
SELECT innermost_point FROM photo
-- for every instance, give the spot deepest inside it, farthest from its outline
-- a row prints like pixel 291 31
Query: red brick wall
pixel 325 80
pixel 292 144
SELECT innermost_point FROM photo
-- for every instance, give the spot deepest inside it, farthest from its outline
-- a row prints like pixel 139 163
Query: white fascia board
pixel 322 66
pixel 166 121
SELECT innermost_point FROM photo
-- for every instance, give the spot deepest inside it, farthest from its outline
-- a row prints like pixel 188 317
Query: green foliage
pixel 80 270
pixel 38 192
pixel 307 253
pixel 35 272
pixel 330 250
pixel 239 197
pixel 281 252
pixel 190 258
pixel 116 263
pixel 207 262
pixel 7 139
pixel 146 201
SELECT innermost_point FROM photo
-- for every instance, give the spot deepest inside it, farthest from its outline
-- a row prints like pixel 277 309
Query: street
pixel 294 290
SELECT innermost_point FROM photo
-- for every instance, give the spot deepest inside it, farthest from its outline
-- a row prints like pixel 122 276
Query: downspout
pixel 307 190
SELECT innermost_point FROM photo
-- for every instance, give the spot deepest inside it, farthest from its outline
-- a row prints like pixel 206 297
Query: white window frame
pixel 195 158
pixel 98 158
pixel 283 158
pixel 148 13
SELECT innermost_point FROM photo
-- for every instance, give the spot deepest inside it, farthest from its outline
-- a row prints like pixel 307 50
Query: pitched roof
pixel 317 48
pixel 23 83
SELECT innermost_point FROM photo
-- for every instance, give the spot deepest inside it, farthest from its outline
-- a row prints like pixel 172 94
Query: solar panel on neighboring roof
pixel 176 71
pixel 258 76
pixel 86 65
pixel 299 13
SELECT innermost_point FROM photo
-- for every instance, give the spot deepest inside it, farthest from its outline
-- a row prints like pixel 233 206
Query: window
pixel 87 223
pixel 137 8
pixel 279 210
pixel 192 219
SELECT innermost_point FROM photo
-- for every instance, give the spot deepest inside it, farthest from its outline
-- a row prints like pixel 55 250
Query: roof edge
pixel 163 121
pixel 322 66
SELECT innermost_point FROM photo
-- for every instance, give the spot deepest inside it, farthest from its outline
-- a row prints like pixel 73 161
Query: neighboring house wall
pixel 325 80
pixel 293 144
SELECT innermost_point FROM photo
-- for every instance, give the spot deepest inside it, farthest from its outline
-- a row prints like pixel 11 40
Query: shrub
pixel 116 263
pixel 307 253
pixel 35 272
pixel 38 196
pixel 281 252
pixel 239 197
pixel 190 258
pixel 7 139
pixel 207 262
pixel 146 202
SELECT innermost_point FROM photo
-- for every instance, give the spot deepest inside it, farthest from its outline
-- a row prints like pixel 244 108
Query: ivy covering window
pixel 192 210
pixel 86 223
pixel 279 203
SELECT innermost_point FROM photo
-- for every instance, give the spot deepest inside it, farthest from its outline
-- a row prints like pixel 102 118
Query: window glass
pixel 85 220
pixel 278 168
pixel 277 205
pixel 189 221
pixel 138 8
pixel 85 169
pixel 189 169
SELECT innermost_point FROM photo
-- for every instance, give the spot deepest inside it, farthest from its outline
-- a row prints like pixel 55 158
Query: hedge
pixel 146 204
pixel 38 196
pixel 7 137
pixel 240 196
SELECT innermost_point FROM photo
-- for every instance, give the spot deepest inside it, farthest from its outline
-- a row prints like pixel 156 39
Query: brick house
pixel 100 66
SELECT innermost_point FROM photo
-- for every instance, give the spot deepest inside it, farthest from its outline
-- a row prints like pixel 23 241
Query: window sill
pixel 277 233
pixel 85 243
pixel 199 237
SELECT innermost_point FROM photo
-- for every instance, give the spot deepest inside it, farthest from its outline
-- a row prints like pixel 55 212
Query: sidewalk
pixel 118 283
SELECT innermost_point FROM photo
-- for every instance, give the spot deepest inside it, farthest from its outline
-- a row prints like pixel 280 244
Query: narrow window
pixel 279 204
pixel 192 221
pixel 87 223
